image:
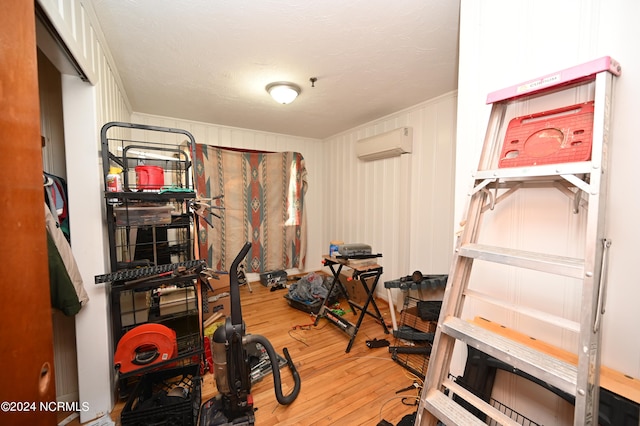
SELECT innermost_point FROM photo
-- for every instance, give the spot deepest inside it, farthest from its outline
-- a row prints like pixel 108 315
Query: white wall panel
pixel 70 20
pixel 400 206
pixel 95 368
pixel 53 155
pixel 503 43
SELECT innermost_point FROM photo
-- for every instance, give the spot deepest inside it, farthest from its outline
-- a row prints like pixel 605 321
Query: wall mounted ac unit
pixel 385 145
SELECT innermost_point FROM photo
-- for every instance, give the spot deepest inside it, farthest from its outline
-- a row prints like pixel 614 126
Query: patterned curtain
pixel 263 200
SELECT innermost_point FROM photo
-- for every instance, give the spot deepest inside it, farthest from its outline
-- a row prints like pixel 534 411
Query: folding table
pixel 361 272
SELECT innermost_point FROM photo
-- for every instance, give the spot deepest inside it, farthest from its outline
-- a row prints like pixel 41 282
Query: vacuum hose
pixel 284 400
pixel 229 356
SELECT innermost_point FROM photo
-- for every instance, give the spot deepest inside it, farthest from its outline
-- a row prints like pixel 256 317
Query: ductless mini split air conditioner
pixel 385 145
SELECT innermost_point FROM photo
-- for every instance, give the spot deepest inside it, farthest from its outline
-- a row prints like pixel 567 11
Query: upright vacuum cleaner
pixel 232 371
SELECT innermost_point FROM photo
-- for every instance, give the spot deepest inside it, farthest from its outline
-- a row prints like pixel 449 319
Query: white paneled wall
pixel 402 206
pixel 53 155
pixel 502 43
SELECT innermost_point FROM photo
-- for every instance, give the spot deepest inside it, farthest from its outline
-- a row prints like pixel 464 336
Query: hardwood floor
pixel 338 388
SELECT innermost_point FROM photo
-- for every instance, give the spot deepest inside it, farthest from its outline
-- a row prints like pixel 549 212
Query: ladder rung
pixel 449 411
pixel 478 403
pixel 561 322
pixel 551 370
pixel 578 167
pixel 559 265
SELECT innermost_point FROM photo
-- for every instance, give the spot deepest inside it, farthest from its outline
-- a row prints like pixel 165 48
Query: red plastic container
pixel 149 177
pixel 562 135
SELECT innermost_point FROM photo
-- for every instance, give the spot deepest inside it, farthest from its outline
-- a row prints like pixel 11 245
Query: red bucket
pixel 149 177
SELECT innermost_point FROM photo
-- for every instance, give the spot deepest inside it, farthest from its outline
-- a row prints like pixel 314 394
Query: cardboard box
pixel 220 304
pixel 216 300
pixel 219 280
pixel 354 287
pixel 208 307
pixel 134 307
pixel 218 291
pixel 178 301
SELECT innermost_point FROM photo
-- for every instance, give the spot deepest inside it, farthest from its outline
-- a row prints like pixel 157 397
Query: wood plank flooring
pixel 338 388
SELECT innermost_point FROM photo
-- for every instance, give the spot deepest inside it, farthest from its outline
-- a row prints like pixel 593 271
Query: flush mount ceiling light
pixel 283 92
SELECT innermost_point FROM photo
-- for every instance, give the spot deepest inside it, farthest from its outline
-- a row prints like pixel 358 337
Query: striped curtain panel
pixel 263 200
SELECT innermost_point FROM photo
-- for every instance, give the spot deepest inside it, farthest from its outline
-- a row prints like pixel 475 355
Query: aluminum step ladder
pixel 503 170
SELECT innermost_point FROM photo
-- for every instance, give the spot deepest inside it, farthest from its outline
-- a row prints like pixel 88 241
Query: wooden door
pixel 27 384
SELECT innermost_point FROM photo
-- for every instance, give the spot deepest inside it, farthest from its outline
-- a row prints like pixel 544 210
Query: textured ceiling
pixel 210 60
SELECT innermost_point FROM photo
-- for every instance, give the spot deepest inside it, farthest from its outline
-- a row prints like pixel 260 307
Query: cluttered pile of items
pixel 173 318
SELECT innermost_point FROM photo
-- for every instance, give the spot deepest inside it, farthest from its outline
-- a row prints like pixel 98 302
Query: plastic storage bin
pixel 165 397
pixel 143 215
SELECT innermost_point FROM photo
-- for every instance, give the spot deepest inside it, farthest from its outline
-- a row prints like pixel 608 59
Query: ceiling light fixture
pixel 283 92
